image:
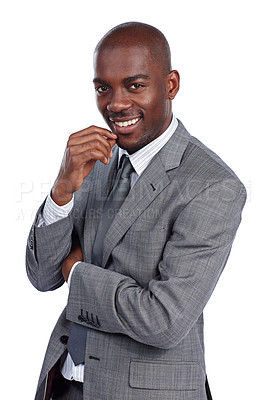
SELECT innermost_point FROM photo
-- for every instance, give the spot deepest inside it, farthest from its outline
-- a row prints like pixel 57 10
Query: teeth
pixel 127 123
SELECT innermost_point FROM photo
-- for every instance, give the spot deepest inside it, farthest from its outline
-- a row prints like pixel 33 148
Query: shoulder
pixel 200 167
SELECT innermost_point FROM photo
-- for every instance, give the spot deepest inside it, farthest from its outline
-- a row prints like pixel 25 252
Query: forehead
pixel 121 62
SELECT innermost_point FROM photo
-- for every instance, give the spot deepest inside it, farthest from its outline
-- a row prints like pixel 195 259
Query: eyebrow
pixel 100 81
pixel 135 77
pixel 125 80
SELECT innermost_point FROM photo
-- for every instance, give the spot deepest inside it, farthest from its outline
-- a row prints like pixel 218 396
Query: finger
pixel 112 143
pixel 100 145
pixel 93 139
pixel 90 155
pixel 94 129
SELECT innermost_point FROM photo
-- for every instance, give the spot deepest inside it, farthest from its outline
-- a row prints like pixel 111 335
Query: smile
pixel 126 123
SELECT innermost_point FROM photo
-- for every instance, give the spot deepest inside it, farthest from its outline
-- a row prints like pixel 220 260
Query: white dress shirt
pixel 52 213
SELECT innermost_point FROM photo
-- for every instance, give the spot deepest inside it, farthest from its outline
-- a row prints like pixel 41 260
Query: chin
pixel 128 147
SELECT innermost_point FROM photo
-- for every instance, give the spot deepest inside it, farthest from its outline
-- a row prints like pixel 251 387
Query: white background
pixel 220 50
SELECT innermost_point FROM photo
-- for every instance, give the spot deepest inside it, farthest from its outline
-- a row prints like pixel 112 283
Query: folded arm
pixel 164 311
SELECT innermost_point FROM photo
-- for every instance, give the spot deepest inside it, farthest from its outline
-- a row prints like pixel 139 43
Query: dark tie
pixel 77 339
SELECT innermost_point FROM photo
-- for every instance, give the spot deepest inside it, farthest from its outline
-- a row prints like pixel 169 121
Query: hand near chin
pixel 83 149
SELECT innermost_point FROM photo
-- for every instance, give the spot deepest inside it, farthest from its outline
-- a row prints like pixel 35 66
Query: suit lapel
pixel 152 182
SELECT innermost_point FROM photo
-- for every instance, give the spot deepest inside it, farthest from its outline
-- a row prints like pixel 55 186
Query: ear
pixel 173 84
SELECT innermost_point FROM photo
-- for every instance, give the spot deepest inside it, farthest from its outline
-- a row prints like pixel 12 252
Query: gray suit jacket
pixel 162 258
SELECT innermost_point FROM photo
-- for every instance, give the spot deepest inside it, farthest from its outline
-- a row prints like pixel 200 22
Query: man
pixel 139 275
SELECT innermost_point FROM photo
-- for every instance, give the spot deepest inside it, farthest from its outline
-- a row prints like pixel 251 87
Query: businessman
pixel 140 222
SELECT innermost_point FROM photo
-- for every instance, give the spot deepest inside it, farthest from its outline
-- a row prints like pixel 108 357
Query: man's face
pixel 132 95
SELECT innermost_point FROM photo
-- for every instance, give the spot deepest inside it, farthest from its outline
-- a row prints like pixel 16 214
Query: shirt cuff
pixel 52 212
pixel 71 273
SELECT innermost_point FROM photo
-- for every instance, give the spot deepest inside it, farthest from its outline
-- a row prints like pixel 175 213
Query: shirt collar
pixel 141 158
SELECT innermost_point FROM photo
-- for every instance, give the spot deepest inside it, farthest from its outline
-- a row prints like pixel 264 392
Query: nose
pixel 118 102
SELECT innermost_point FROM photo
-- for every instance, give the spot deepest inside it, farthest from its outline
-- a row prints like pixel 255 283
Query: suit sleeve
pixel 162 313
pixel 47 247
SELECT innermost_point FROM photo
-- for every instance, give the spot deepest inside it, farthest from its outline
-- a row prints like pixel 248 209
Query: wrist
pixel 68 265
pixel 60 194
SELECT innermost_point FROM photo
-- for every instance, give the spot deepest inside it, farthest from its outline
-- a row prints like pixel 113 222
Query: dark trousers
pixel 208 393
pixel 68 390
pixel 59 388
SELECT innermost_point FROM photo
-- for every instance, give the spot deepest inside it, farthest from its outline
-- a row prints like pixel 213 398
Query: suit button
pixel 64 339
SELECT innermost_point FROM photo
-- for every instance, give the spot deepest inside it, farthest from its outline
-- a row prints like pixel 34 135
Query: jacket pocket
pixel 164 375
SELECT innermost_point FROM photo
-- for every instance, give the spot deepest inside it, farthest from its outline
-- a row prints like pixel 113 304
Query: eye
pixel 136 86
pixel 101 89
